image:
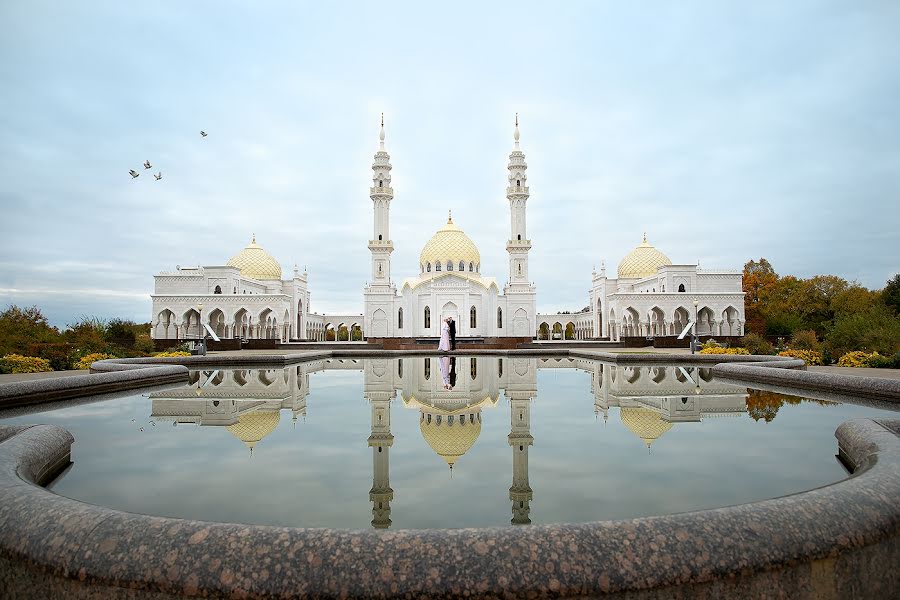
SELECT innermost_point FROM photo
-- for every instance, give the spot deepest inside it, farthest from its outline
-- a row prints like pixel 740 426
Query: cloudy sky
pixel 726 131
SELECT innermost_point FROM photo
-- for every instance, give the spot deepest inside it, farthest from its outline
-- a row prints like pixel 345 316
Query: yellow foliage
pixel 810 357
pixel 719 350
pixel 856 359
pixel 87 360
pixel 16 363
pixel 171 354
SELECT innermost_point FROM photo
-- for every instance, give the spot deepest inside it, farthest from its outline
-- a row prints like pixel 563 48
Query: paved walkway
pixel 12 377
pixel 858 371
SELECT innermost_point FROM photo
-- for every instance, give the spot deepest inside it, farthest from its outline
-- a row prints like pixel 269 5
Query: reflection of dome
pixel 450 440
pixel 256 263
pixel 644 423
pixel 252 427
pixel 450 244
pixel 643 261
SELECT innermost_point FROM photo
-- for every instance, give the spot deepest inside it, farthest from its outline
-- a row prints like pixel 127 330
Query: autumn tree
pixel 890 295
pixel 759 278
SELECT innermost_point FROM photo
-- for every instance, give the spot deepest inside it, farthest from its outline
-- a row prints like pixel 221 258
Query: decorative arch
pixel 473 317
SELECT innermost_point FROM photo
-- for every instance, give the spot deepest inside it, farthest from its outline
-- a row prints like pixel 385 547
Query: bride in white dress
pixel 444 346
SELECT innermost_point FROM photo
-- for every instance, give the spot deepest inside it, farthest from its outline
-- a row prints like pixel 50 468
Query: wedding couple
pixel 447 365
pixel 448 335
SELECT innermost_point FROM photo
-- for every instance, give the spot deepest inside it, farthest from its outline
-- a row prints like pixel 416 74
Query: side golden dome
pixel 256 263
pixel 252 427
pixel 450 244
pixel 643 261
pixel 644 423
pixel 448 435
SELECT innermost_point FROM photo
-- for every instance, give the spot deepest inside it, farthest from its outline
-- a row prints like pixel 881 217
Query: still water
pixel 433 442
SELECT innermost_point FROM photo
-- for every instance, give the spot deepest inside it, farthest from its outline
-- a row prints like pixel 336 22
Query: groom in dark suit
pixel 452 334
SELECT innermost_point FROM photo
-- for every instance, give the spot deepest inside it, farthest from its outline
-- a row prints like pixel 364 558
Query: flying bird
pixel 147 164
pixel 203 133
pixel 134 174
pixel 158 176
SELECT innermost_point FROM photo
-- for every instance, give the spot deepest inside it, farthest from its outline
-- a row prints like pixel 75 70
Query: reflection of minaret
pixel 520 439
pixel 380 441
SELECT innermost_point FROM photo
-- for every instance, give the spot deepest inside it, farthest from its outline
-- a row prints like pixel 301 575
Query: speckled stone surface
pixel 838 541
pixel 871 387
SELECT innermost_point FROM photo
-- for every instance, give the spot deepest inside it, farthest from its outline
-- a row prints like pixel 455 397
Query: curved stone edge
pixel 22 393
pixel 842 536
pixel 849 385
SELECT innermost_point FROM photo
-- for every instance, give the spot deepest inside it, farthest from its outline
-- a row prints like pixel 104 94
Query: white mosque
pixel 249 299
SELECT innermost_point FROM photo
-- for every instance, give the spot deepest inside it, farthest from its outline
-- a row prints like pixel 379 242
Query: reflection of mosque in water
pixel 248 403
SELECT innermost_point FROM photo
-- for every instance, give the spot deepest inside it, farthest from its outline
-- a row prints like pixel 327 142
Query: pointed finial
pixel 645 237
pixel 381 134
pixel 449 216
pixel 516 132
pixel 253 240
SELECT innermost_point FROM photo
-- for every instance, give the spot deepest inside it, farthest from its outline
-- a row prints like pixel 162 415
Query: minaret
pixel 381 193
pixel 520 439
pixel 517 194
pixel 379 293
pixel 381 441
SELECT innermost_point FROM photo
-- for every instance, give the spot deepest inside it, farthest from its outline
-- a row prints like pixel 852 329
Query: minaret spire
pixel 380 291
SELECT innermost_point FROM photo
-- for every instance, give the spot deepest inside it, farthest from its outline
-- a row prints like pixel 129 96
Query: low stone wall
pixel 841 540
pixel 838 541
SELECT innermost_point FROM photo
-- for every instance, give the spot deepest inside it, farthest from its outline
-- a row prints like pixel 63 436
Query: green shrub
pixel 884 362
pixel 757 344
pixel 875 330
pixel 59 355
pixel 811 357
pixel 87 360
pixel 857 358
pixel 16 363
pixel 805 339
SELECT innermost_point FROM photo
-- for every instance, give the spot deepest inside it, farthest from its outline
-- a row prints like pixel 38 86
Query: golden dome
pixel 252 427
pixel 450 244
pixel 643 261
pixel 644 423
pixel 256 263
pixel 450 441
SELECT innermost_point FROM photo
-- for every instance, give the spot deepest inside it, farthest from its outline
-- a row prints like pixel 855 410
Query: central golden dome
pixel 256 263
pixel 252 427
pixel 450 436
pixel 450 244
pixel 644 423
pixel 643 261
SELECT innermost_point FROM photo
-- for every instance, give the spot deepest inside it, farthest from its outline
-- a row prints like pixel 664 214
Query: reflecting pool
pixel 444 442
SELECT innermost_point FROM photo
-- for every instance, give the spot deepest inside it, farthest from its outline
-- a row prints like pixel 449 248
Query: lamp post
pixel 694 329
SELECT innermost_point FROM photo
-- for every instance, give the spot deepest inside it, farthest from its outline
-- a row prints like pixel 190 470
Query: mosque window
pixel 518 183
pixel 471 267
pixel 399 318
pixel 499 367
pixel 462 266
pixel 428 267
pixel 472 317
pixel 380 183
pixel 428 376
pixel 449 265
pixel 680 287
pixel 218 290
pixel 379 237
pixel 473 368
pixel 520 237
pixel 400 367
pixel 499 318
pixel 437 266
pixel 427 317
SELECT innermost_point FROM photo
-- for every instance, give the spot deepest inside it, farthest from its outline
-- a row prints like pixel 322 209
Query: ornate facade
pixel 449 282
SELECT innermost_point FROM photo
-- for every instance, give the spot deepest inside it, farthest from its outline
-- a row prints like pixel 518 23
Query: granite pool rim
pixel 839 539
